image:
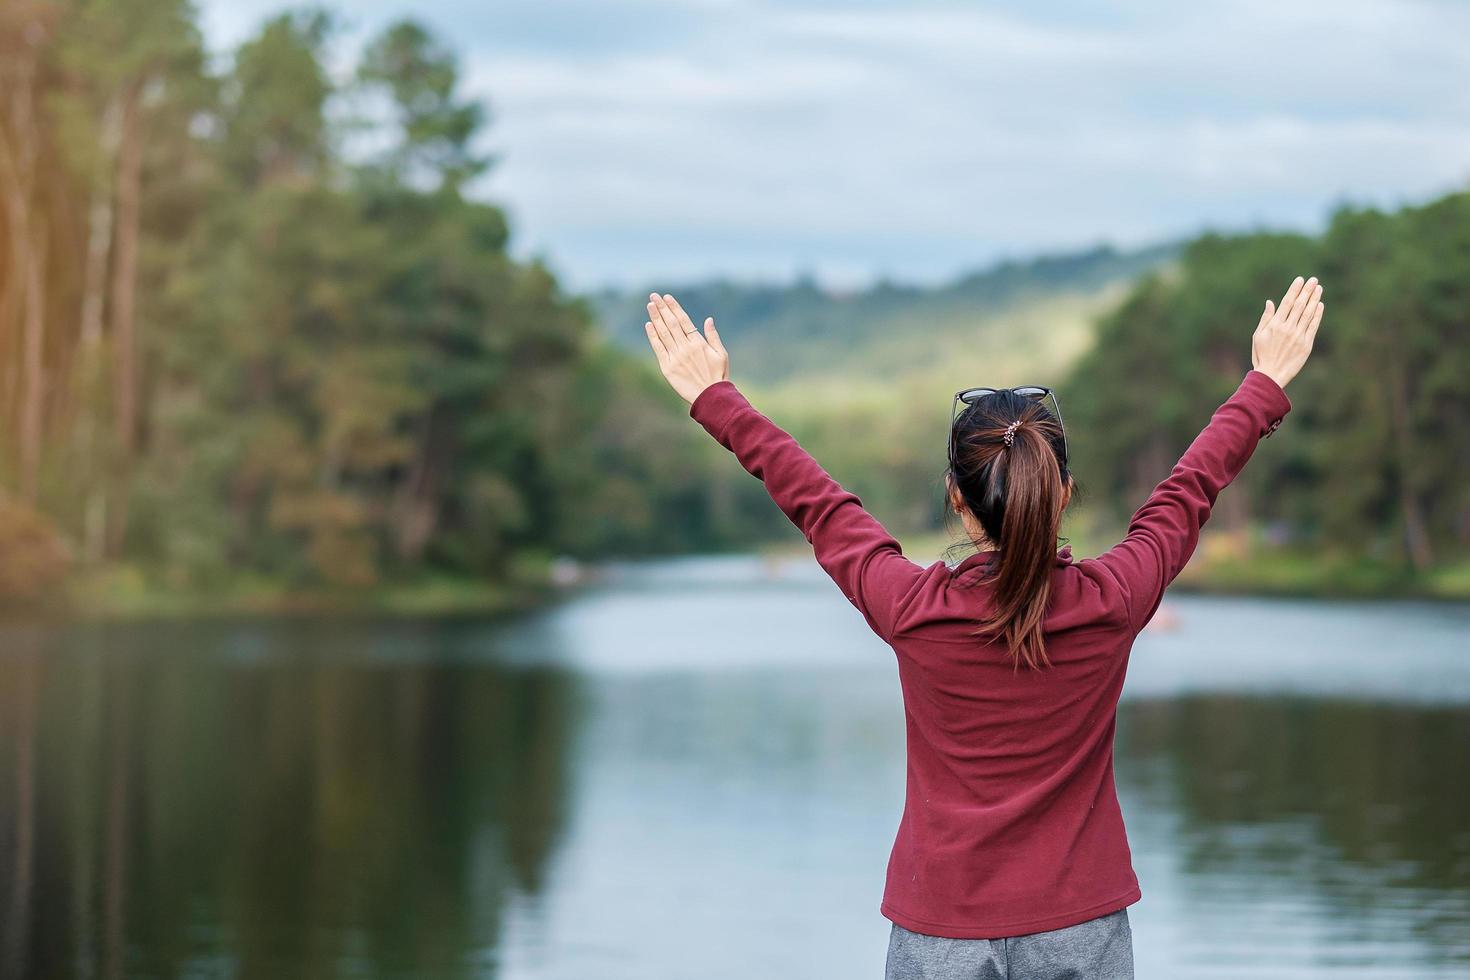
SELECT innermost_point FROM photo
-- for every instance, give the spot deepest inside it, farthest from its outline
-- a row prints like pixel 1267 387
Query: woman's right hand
pixel 690 363
pixel 1283 338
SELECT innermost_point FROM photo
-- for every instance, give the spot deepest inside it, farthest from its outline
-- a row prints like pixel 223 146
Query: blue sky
pixel 655 141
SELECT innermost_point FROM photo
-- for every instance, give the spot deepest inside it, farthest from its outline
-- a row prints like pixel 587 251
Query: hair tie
pixel 1010 435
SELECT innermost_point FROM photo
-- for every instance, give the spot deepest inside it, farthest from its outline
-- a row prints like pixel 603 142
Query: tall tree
pixel 130 48
pixel 436 128
pixel 25 31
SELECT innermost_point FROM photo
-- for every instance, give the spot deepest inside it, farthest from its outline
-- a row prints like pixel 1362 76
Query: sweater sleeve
pixel 851 546
pixel 1164 532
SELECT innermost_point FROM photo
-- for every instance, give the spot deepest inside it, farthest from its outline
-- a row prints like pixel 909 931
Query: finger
pixel 712 335
pixel 685 324
pixel 1266 317
pixel 1292 315
pixel 1290 297
pixel 662 324
pixel 1304 298
pixel 1303 295
pixel 658 327
pixel 1304 318
pixel 655 341
pixel 662 319
pixel 671 320
pixel 1316 322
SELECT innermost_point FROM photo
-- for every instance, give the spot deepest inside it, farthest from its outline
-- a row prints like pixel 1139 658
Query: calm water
pixel 693 770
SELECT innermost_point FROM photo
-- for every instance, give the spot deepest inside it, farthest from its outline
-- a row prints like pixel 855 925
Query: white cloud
pixel 643 139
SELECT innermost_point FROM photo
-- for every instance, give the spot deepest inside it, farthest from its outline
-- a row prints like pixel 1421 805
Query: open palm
pixel 689 362
pixel 1283 339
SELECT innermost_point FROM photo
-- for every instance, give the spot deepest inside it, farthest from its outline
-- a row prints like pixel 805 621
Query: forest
pixel 262 342
pixel 1366 487
pixel 242 354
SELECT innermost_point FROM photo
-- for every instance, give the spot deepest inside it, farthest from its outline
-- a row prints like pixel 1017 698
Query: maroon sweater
pixel 1011 824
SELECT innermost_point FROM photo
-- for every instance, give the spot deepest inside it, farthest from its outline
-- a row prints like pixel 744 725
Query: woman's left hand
pixel 690 363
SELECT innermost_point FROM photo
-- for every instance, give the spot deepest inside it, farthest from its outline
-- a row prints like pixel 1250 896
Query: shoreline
pixel 1223 566
pixel 101 602
pixel 120 596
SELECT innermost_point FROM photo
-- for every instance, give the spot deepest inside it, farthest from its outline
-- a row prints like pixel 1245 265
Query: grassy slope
pixel 1014 314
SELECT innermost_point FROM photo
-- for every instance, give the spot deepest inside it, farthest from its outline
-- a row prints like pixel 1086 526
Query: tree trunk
pixel 99 237
pixel 124 300
pixel 34 370
pixel 416 509
pixel 1150 466
pixel 1416 530
pixel 14 307
pixel 18 152
pixel 1235 511
pixel 11 296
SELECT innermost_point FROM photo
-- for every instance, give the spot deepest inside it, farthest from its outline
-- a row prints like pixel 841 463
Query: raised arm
pixel 855 550
pixel 1164 532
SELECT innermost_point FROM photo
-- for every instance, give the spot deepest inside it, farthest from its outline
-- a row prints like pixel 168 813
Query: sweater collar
pixel 1064 557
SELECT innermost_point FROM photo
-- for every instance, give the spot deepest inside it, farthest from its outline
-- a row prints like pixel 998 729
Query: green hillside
pixel 1035 310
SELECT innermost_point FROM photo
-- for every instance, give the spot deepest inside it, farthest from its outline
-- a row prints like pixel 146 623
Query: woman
pixel 1011 858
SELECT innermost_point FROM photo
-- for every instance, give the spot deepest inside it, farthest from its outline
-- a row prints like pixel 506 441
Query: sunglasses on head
pixel 969 396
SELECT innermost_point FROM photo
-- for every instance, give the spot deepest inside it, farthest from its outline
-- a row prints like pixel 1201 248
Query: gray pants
pixel 1100 949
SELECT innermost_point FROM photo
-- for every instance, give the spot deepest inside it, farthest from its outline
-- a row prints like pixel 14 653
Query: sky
pixel 646 142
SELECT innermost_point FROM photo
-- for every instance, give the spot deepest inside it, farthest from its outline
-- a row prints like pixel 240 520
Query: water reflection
pixel 173 806
pixel 580 795
pixel 1335 833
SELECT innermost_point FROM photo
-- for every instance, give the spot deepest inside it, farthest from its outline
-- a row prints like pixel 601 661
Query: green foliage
pixel 1176 342
pixel 863 380
pixel 435 128
pixel 275 100
pixel 788 332
pixel 346 383
pixel 1377 464
pixel 236 355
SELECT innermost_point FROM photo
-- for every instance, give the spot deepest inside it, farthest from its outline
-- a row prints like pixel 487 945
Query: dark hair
pixel 1016 492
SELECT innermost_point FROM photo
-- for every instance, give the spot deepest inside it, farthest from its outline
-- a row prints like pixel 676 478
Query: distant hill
pixel 1033 310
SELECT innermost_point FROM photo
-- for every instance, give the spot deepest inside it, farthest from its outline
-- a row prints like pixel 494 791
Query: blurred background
pixel 370 608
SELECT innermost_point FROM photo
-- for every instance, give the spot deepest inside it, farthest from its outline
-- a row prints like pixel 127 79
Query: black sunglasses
pixel 1036 393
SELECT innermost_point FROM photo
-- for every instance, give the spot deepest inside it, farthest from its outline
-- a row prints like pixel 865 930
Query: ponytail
pixel 1011 474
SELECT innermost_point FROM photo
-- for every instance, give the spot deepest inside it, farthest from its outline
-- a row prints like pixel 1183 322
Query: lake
pixel 692 768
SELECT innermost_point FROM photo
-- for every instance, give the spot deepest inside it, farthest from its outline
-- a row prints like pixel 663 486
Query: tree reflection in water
pixel 1360 810
pixel 271 800
pixel 300 799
